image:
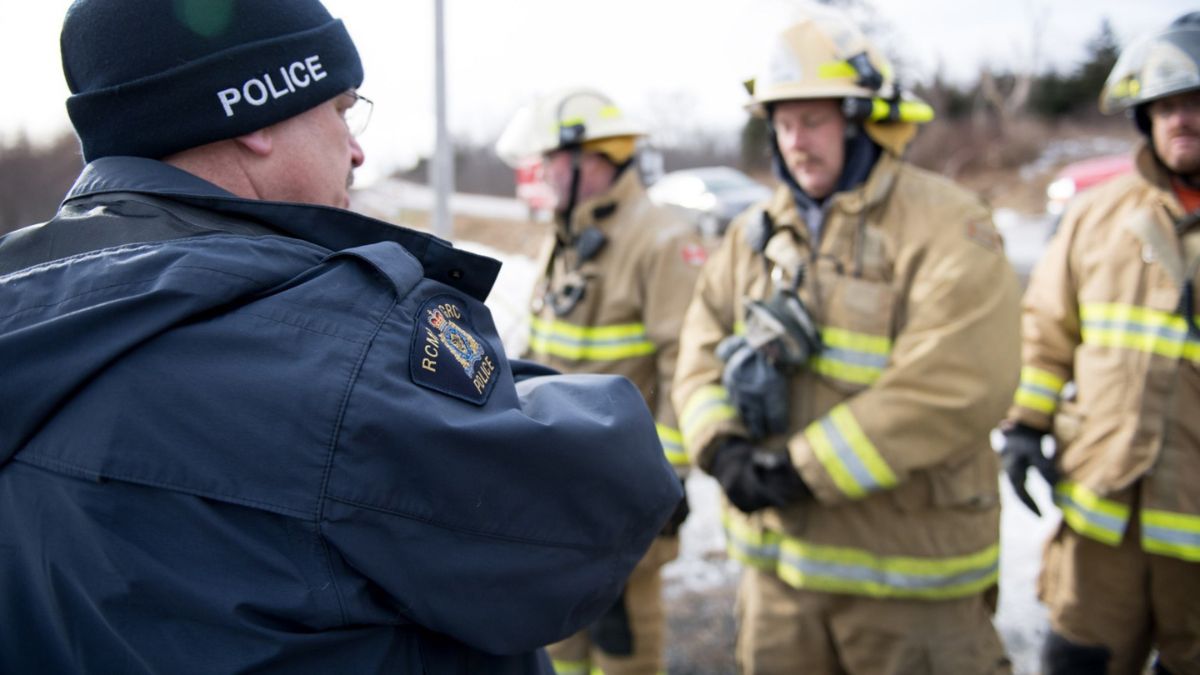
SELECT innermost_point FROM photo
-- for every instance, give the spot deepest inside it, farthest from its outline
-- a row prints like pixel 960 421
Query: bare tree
pixel 34 178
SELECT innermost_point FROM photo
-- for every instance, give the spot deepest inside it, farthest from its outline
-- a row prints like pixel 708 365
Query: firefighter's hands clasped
pixel 754 478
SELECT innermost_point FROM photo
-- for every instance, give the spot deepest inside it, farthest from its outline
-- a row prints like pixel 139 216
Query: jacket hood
pixel 63 320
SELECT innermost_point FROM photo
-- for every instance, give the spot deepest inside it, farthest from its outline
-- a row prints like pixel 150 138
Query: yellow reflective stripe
pixel 852 460
pixel 708 406
pixel 1138 328
pixel 608 112
pixel 909 111
pixel 593 343
pixel 563 667
pixel 1090 514
pixel 835 70
pixel 672 442
pixel 1171 534
pixel 845 372
pixel 858 358
pixel 1126 87
pixel 1039 390
pixel 833 569
pixel 858 342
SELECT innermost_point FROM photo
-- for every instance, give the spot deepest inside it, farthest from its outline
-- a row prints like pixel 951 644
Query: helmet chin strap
pixel 573 192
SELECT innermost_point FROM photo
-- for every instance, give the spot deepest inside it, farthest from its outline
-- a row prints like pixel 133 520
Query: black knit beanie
pixel 152 77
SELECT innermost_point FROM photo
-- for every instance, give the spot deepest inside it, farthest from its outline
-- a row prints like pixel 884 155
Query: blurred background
pixel 1014 84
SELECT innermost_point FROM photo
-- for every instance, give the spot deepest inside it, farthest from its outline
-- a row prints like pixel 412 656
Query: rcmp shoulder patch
pixel 447 355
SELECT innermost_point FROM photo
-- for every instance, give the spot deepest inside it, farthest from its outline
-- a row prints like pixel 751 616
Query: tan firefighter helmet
pixel 576 117
pixel 1162 64
pixel 825 55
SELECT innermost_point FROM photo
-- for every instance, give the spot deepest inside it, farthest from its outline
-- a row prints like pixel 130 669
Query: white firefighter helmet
pixel 825 55
pixel 1162 64
pixel 575 117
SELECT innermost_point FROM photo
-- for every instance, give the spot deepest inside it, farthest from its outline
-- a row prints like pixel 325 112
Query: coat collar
pixel 329 227
pixel 865 197
pixel 600 209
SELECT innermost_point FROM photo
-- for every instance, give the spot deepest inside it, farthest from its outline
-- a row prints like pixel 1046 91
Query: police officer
pixel 615 281
pixel 1111 354
pixel 245 430
pixel 849 348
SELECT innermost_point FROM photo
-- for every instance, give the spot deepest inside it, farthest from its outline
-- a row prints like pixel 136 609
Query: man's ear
pixel 258 142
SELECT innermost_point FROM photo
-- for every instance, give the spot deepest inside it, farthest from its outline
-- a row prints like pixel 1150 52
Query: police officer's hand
pixel 754 478
pixel 758 390
pixel 1023 449
pixel 682 510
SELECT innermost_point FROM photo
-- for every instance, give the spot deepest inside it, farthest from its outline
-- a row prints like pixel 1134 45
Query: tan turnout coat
pixel 889 426
pixel 1102 315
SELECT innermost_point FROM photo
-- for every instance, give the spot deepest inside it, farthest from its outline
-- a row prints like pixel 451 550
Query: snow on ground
pixel 702 565
pixel 1025 238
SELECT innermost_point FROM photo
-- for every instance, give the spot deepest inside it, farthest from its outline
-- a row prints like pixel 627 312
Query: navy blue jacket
pixel 243 436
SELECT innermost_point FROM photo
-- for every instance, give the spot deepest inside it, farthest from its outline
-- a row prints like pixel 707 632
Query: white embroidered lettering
pixel 287 80
pixel 256 92
pixel 315 67
pixel 275 93
pixel 302 80
pixel 228 98
pixel 251 98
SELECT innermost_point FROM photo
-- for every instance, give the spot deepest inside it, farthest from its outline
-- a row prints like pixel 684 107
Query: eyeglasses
pixel 358 113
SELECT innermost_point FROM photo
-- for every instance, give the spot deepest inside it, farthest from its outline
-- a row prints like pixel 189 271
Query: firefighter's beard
pixel 1179 150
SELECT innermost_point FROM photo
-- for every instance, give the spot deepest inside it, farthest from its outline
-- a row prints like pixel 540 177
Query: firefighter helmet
pixel 825 55
pixel 576 117
pixel 1155 66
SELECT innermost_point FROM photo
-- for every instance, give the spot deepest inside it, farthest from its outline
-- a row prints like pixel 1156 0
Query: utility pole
pixel 443 161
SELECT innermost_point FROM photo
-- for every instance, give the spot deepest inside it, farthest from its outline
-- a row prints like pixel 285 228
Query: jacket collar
pixel 866 196
pixel 1149 167
pixel 329 227
pixel 598 210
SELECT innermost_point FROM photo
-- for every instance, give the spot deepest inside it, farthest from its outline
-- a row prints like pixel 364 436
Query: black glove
pixel 1023 449
pixel 758 390
pixel 754 479
pixel 682 510
pixel 611 632
pixel 782 328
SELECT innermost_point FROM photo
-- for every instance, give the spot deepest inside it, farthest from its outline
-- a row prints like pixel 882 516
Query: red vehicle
pixel 532 188
pixel 1079 176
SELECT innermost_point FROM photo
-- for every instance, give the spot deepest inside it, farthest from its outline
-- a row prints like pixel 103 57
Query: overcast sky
pixel 677 64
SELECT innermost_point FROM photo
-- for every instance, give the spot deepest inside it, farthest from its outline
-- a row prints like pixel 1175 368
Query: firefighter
pixel 615 280
pixel 1111 350
pixel 849 348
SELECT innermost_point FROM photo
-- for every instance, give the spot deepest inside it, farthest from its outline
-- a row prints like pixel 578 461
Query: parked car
pixel 1079 176
pixel 709 197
